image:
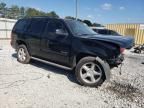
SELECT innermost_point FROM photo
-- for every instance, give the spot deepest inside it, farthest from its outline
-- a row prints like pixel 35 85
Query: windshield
pixel 79 28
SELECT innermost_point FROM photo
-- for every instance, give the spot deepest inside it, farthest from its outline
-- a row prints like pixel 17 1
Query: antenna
pixel 76 16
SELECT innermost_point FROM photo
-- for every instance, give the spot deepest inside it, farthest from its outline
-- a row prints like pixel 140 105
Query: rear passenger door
pixel 56 47
pixel 33 35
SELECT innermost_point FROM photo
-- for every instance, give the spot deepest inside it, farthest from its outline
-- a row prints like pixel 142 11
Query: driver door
pixel 56 47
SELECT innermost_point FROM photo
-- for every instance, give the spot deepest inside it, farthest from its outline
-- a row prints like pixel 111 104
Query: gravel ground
pixel 41 85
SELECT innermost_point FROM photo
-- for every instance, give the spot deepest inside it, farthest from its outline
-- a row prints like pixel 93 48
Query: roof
pixel 45 17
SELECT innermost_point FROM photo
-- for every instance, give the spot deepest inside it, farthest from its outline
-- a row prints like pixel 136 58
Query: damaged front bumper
pixel 109 64
pixel 116 61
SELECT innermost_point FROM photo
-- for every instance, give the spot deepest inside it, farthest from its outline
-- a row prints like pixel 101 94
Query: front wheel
pixel 23 55
pixel 90 72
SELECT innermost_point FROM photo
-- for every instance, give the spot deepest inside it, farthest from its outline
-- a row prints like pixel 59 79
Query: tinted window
pixel 54 25
pixel 36 26
pixel 20 26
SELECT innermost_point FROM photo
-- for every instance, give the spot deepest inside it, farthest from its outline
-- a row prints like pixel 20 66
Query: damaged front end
pixel 115 62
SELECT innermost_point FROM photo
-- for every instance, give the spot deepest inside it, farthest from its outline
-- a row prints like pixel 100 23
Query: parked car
pixel 105 31
pixel 69 43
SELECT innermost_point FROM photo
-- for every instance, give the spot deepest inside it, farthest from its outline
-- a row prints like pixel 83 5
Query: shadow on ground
pixel 48 67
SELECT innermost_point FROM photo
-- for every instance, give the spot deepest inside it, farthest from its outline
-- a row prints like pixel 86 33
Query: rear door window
pixel 36 27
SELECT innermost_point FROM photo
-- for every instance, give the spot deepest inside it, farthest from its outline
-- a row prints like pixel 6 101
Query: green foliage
pixel 52 14
pixel 2 6
pixel 97 25
pixel 87 22
pixel 70 17
pixel 34 12
pixel 16 12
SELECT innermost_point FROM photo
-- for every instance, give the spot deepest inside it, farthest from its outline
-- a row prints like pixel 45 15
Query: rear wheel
pixel 89 72
pixel 23 55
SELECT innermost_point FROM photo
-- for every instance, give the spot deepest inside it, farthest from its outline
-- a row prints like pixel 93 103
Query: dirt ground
pixel 41 85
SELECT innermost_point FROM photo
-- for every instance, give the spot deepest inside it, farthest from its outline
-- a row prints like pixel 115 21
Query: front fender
pixel 106 68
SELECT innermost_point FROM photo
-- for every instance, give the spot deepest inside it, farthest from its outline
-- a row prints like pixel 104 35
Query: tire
pixel 22 51
pixel 85 76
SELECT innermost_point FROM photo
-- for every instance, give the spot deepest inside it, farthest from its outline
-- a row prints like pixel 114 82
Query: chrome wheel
pixel 91 72
pixel 21 54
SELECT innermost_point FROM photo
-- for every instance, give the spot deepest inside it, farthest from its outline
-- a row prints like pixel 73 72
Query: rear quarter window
pixel 20 26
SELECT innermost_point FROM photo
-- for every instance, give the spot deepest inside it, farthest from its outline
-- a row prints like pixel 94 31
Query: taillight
pixel 122 50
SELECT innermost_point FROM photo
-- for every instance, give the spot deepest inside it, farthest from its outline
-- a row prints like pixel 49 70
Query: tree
pixel 14 12
pixel 87 22
pixel 22 11
pixel 2 9
pixel 34 12
pixel 97 25
pixel 52 14
pixel 2 6
pixel 70 17
pixel 80 20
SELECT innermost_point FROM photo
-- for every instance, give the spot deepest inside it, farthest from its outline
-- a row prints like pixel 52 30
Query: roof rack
pixel 41 17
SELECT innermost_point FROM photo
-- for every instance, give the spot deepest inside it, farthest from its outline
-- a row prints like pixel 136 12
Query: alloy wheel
pixel 91 72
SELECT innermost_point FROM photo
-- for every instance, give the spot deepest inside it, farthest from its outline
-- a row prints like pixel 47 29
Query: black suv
pixel 69 43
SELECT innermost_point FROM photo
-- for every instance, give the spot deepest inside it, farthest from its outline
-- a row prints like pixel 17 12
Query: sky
pixel 100 11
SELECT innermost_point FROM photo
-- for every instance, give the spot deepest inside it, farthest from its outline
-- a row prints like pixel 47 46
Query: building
pixel 135 30
pixel 6 26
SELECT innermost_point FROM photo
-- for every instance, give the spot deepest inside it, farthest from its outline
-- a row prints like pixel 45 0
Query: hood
pixel 123 41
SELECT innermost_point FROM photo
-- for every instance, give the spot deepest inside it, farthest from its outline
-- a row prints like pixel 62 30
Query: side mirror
pixel 61 32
